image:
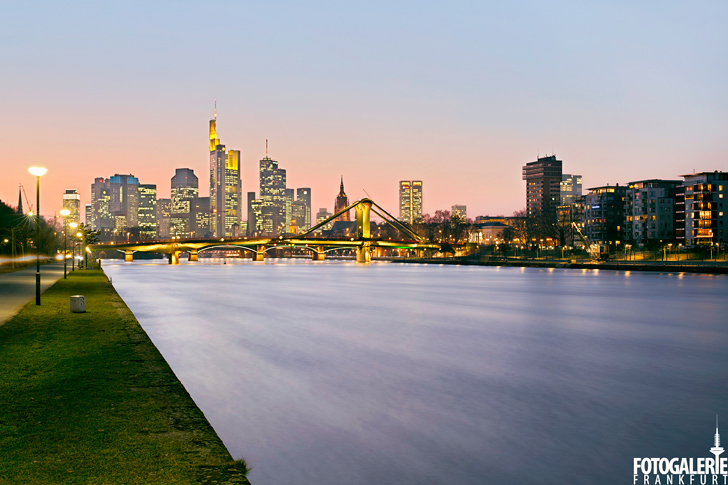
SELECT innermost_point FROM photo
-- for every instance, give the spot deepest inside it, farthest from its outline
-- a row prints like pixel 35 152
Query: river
pixel 338 373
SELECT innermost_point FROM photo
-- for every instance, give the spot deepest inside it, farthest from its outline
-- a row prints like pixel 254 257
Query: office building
pixel 543 181
pixel 147 211
pixel 163 218
pixel 124 200
pixel 290 194
pixel 225 185
pixel 273 197
pixel 89 215
pixel 101 219
pixel 342 202
pixel 199 223
pixel 704 199
pixel 569 188
pixel 410 201
pixel 321 216
pixel 184 189
pixel 460 211
pixel 303 194
pixel 72 202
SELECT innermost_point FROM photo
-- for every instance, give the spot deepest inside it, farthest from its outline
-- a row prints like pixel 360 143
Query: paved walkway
pixel 18 288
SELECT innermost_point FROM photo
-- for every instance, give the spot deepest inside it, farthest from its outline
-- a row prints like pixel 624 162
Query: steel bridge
pixel 362 241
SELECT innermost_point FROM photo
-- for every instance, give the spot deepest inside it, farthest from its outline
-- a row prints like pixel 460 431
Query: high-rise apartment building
pixel 72 202
pixel 225 185
pixel 649 211
pixel 410 201
pixel 460 211
pixel 147 211
pixel 604 214
pixel 569 188
pixel 184 189
pixel 705 220
pixel 543 180
pixel 342 202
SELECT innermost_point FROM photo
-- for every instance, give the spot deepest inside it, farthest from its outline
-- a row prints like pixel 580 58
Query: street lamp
pixel 38 172
pixel 79 235
pixel 73 225
pixel 64 213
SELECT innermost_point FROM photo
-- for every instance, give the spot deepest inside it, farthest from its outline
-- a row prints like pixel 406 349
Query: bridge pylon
pixel 193 255
pixel 260 254
pixel 128 256
pixel 363 229
pixel 319 254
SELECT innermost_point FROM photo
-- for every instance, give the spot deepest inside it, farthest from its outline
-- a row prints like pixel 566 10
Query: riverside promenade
pixel 18 288
pixel 88 398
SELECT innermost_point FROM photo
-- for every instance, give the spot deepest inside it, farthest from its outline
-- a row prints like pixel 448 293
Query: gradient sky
pixel 457 94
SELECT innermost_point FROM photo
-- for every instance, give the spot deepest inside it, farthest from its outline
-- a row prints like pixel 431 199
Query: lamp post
pixel 38 172
pixel 73 225
pixel 79 235
pixel 64 213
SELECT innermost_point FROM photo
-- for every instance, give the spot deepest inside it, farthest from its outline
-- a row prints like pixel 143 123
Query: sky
pixel 457 94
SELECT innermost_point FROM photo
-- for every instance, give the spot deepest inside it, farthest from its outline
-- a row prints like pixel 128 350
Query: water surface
pixel 333 373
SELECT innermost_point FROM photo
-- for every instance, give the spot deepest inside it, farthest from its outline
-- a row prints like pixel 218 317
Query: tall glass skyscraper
pixel 410 201
pixel 148 211
pixel 225 185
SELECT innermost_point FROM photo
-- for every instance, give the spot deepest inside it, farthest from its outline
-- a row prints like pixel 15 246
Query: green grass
pixel 87 398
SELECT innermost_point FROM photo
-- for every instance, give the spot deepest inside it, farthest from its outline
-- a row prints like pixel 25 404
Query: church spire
pixel 341 189
pixel 19 210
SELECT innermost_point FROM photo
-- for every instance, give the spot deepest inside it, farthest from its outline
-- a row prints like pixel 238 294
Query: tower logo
pixel 681 471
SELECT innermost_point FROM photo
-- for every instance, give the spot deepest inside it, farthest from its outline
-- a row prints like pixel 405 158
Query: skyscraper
pixel 273 195
pixel 303 194
pixel 124 201
pixel 101 205
pixel 72 202
pixel 342 202
pixel 163 218
pixel 184 189
pixel 147 211
pixel 224 184
pixel 569 188
pixel 200 217
pixel 410 201
pixel 289 208
pixel 543 180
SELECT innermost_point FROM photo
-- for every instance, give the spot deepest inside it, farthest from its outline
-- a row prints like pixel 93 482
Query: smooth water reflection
pixel 337 373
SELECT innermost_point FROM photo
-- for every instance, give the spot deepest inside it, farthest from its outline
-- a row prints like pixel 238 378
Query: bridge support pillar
pixel 128 255
pixel 319 254
pixel 364 254
pixel 174 257
pixel 193 255
pixel 260 255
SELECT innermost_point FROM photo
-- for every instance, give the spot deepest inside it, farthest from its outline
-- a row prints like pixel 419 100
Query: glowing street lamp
pixel 73 225
pixel 64 213
pixel 38 172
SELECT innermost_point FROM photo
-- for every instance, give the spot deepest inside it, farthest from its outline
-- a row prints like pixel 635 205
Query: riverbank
pixel 87 398
pixel 661 266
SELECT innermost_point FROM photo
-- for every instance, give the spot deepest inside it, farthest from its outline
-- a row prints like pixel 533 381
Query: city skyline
pixel 458 97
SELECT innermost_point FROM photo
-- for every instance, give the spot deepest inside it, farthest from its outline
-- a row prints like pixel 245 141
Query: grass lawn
pixel 87 398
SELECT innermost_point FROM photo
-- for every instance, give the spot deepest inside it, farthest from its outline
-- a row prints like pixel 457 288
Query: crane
pixel 27 202
pixel 596 251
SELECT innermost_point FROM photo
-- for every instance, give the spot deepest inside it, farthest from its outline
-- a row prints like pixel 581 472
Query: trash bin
pixel 78 304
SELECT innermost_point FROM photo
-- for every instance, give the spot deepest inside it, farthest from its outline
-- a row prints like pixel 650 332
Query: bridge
pixel 362 241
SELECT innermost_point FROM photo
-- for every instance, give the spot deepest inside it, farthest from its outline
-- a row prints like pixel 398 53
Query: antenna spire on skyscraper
pixel 266 148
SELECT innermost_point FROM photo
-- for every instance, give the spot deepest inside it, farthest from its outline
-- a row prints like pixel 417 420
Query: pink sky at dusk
pixel 458 97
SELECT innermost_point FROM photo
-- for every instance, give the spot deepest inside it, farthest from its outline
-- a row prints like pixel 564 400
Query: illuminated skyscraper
pixel 184 189
pixel 124 201
pixel 163 218
pixel 101 205
pixel 410 201
pixel 224 185
pixel 273 196
pixel 342 202
pixel 303 194
pixel 200 217
pixel 72 202
pixel 148 211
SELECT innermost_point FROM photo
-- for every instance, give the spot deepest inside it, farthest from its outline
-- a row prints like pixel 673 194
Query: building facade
pixel 410 201
pixel 341 203
pixel 303 194
pixel 650 211
pixel 163 218
pixel 184 186
pixel 543 185
pixel 225 185
pixel 569 188
pixel 604 215
pixel 704 198
pixel 147 211
pixel 273 197
pixel 460 211
pixel 72 203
